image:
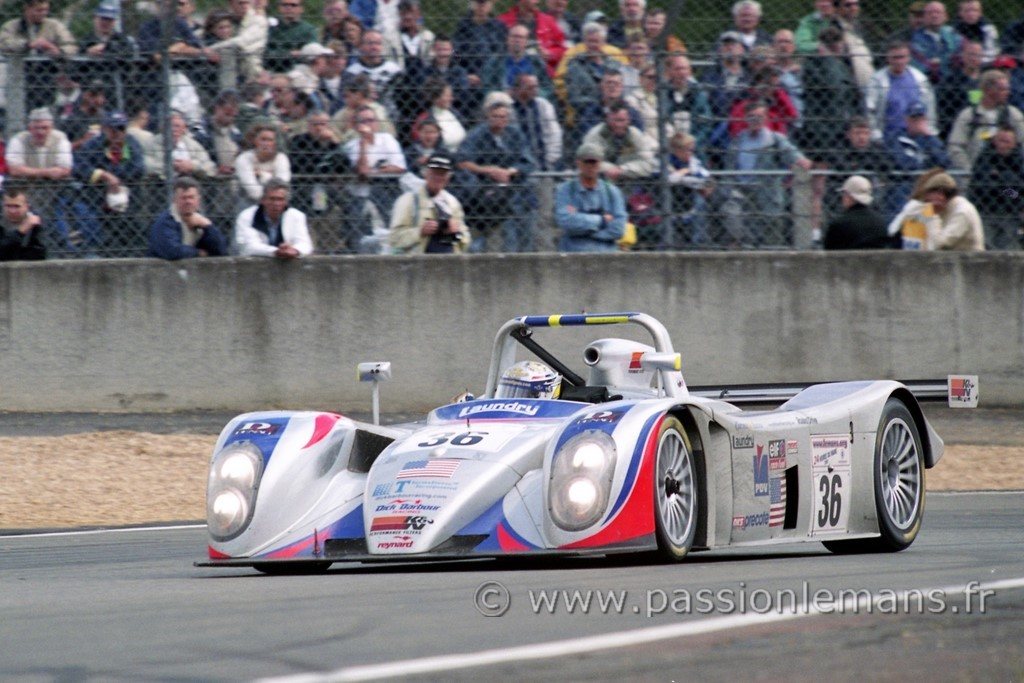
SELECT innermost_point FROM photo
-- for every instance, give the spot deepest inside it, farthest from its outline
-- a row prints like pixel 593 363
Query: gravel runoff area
pixel 97 470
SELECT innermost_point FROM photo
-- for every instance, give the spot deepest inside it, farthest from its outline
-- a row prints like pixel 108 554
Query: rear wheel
pixel 898 484
pixel 676 491
pixel 292 568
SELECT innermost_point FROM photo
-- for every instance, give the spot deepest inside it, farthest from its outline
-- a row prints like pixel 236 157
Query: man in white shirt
pixel 378 160
pixel 272 228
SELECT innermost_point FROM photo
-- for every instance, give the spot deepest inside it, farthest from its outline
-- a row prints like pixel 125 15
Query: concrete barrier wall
pixel 146 335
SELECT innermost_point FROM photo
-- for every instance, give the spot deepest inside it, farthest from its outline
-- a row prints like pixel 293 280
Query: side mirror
pixel 374 372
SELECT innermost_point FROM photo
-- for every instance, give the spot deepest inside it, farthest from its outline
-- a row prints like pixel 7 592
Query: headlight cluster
pixel 231 490
pixel 581 478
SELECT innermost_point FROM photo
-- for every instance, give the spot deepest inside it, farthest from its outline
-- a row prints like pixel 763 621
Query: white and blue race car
pixel 627 459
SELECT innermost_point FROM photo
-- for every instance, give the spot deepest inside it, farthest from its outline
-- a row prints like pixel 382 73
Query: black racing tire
pixel 898 482
pixel 291 568
pixel 677 491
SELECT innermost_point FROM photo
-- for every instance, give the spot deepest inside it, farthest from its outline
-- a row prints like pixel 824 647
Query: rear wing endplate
pixel 958 391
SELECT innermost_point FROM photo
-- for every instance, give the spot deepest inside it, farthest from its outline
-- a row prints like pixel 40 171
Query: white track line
pixel 90 532
pixel 590 644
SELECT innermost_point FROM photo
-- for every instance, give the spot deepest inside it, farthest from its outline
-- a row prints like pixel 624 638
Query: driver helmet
pixel 529 379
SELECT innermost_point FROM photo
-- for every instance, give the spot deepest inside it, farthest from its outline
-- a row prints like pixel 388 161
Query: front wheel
pixel 898 484
pixel 676 491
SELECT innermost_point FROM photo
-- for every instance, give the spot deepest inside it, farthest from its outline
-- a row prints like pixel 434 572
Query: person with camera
pixel 589 210
pixel 430 220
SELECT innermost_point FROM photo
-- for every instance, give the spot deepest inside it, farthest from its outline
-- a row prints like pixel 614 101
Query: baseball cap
pixel 440 161
pixel 589 151
pixel 595 16
pixel 95 85
pixel 859 188
pixel 917 109
pixel 938 181
pixel 1004 62
pixel 107 10
pixel 314 50
pixel 733 36
pixel 916 8
pixel 115 119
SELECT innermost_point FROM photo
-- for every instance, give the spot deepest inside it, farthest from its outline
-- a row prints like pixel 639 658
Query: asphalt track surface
pixel 128 605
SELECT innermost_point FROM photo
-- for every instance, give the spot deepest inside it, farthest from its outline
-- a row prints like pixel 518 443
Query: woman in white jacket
pixel 256 166
pixel 272 228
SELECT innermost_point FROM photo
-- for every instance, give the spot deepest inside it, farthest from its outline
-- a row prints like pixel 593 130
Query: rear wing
pixel 958 391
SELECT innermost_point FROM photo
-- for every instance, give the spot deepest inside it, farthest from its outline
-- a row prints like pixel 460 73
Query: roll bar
pixel 517 331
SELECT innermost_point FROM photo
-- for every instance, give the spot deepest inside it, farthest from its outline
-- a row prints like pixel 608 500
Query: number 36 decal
pixel 490 440
pixel 831 470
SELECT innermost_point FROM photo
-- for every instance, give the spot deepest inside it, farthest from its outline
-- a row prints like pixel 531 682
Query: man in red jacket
pixel 546 36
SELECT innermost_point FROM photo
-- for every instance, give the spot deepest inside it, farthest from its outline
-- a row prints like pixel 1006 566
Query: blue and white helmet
pixel 529 379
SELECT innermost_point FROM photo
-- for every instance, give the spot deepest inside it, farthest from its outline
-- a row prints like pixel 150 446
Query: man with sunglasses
pixel 589 210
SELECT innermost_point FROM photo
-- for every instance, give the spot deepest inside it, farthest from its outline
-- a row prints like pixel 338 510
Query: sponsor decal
pixel 395 542
pixel 441 468
pixel 503 407
pixel 832 477
pixel 792 447
pixel 395 523
pixel 746 441
pixel 777 455
pixel 777 509
pixel 603 416
pixel 634 363
pixel 760 472
pixel 747 521
pixel 963 391
pixel 257 428
pixel 807 420
pixel 406 505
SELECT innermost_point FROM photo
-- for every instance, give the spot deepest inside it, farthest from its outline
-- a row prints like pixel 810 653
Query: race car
pixel 546 461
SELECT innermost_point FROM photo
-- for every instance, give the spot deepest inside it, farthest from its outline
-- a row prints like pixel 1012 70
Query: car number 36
pixel 832 499
pixel 454 439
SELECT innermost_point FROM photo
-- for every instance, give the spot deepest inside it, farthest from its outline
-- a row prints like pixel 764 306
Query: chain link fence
pixel 676 95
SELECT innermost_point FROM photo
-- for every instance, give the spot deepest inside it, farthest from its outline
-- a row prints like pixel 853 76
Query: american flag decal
pixel 428 469
pixel 777 493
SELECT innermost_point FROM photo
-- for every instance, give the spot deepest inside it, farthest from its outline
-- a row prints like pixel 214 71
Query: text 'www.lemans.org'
pixel 494 599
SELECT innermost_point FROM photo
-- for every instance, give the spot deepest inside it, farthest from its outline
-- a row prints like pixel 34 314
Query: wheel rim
pixel 676 492
pixel 901 474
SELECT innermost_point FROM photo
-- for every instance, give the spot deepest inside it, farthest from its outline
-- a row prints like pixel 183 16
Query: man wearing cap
pixel 181 231
pixel 976 124
pixel 286 38
pixel 727 78
pixel 107 165
pixel 958 226
pixel 430 219
pixel 105 41
pixel 589 210
pixel 83 123
pixel 859 226
pixel 913 150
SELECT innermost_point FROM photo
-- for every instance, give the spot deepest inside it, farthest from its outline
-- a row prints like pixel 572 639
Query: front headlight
pixel 581 478
pixel 231 490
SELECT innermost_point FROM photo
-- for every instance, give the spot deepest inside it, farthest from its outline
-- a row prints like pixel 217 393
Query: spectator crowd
pixel 261 131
